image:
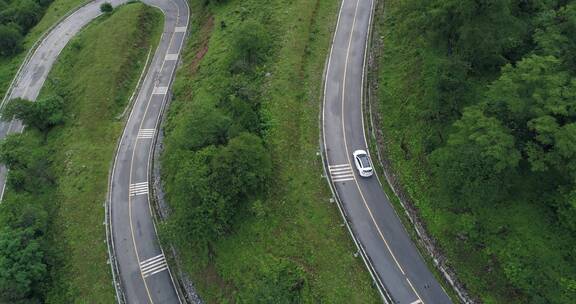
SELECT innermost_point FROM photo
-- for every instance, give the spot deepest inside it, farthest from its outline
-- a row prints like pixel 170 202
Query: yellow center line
pixel 132 164
pixel 350 161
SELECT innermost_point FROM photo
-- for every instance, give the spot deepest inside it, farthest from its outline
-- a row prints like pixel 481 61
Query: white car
pixel 363 164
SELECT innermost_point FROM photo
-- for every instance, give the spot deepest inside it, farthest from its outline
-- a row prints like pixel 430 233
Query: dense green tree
pixel 202 213
pixel 478 159
pixel 10 39
pixel 536 99
pixel 16 152
pixel 25 13
pixel 44 3
pixel 243 103
pixel 212 183
pixel 42 114
pixel 21 264
pixel 482 32
pixel 482 94
pixel 246 116
pixel 204 126
pixel 28 161
pixel 566 208
pixel 557 35
pixel 16 19
pixel 106 7
pixel 243 167
pixel 251 45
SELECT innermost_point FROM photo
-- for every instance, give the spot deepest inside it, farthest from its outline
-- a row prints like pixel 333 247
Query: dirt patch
pixel 204 34
pixel 211 277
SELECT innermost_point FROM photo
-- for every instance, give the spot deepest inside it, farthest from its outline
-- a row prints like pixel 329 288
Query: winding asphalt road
pixel 144 276
pixel 34 71
pixel 393 259
pixel 141 263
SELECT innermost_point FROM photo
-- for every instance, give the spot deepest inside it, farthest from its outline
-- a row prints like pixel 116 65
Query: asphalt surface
pixel 144 274
pixel 396 261
pixel 33 74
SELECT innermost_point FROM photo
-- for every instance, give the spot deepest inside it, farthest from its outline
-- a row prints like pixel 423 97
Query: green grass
pixel 9 65
pixel 298 222
pixel 517 232
pixel 96 74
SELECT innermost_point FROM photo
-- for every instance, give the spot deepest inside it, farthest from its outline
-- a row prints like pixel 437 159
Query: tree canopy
pixel 42 114
pixel 21 263
pixel 480 98
pixel 17 17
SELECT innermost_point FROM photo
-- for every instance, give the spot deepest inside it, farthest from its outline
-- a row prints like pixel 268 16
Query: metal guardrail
pixel 185 295
pixel 421 234
pixel 120 296
pixel 382 290
pixel 365 258
pixel 7 95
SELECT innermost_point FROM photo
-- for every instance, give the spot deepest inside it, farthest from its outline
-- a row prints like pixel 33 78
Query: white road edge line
pixel 348 154
pixel 177 29
pixel 381 289
pixel 132 163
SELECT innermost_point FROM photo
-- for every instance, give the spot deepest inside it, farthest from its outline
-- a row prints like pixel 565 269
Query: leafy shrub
pixel 10 39
pixel 42 114
pixel 106 7
pixel 21 264
pixel 487 137
pixel 282 282
pixel 250 48
pixel 17 17
pixel 25 13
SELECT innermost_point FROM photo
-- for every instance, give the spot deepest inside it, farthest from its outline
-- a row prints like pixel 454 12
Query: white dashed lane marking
pixel 160 90
pixel 146 133
pixel 138 189
pixel 180 29
pixel 153 265
pixel 341 173
pixel 417 302
pixel 171 57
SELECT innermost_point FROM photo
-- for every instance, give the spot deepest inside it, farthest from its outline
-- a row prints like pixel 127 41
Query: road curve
pixel 144 276
pixel 392 257
pixel 34 71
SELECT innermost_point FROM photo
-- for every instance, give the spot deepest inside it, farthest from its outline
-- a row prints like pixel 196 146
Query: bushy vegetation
pixel 106 7
pixel 12 36
pixel 42 115
pixel 24 220
pixel 250 213
pixel 17 17
pixel 478 100
pixel 219 147
pixel 24 253
pixel 52 247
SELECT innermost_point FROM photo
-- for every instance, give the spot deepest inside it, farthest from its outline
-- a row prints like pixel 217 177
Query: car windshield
pixel 364 160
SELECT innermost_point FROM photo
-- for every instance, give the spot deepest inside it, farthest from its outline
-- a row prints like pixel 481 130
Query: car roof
pixel 364 160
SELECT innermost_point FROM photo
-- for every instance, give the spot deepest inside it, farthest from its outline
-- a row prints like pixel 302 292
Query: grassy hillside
pixel 94 76
pixel 9 64
pixel 285 241
pixel 466 93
